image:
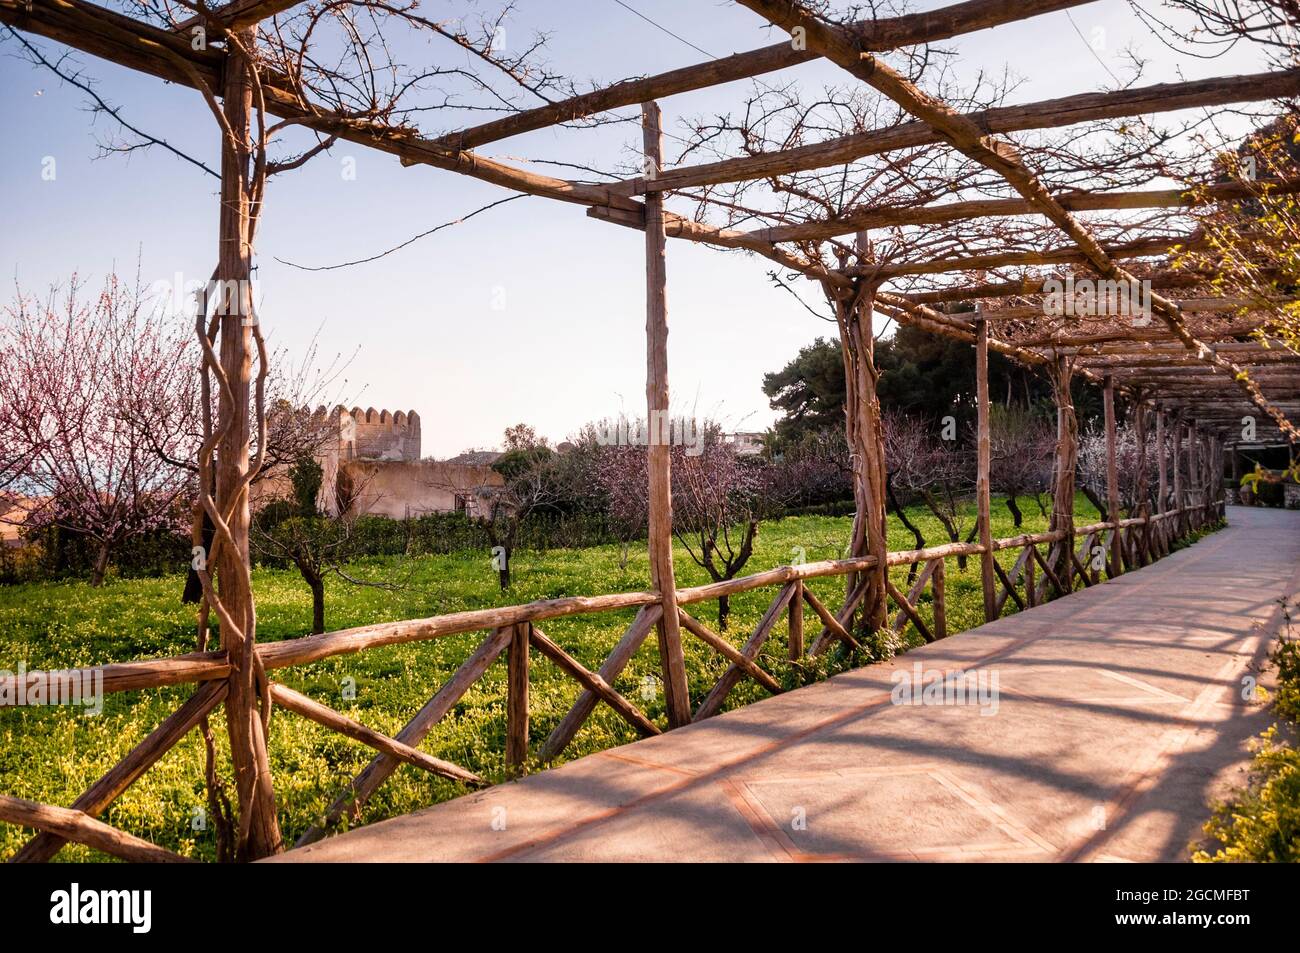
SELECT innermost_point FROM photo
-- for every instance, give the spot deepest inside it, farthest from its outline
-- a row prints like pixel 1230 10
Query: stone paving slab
pixel 1118 719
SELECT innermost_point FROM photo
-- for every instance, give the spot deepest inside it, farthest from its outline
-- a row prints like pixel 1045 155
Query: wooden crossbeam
pixel 834 627
pixel 978 144
pixel 1047 571
pixel 947 212
pixel 1032 285
pixel 713 701
pixel 240 13
pixel 883 34
pixel 80 828
pixel 627 647
pixel 1202 305
pixel 909 610
pixel 913 594
pixel 1067 340
pixel 1047 114
pixel 1008 588
pixel 729 652
pixel 354 797
pixel 1064 255
pixel 1010 581
pixel 593 682
pixel 130 769
pixel 313 710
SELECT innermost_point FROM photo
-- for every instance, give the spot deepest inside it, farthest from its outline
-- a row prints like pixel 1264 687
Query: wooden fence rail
pixel 1110 546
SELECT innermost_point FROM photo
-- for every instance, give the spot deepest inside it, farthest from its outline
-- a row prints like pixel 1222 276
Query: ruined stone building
pixel 374 467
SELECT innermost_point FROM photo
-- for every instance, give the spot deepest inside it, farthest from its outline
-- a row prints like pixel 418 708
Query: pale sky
pixel 426 323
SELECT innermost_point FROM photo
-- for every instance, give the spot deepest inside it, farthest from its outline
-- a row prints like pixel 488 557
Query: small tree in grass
pixel 296 532
pixel 719 499
pixel 1021 448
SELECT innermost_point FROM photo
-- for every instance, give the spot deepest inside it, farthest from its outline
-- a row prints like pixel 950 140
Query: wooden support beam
pixel 1008 587
pixel 1155 246
pixel 1065 460
pixel 299 703
pixel 1048 571
pixel 864 435
pixel 909 610
pixel 259 826
pixel 1180 500
pixel 239 13
pixel 914 593
pixel 834 627
pixel 658 454
pixel 1161 451
pixel 982 466
pixel 1011 580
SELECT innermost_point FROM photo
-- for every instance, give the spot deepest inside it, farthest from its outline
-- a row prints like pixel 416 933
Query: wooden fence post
pixel 982 462
pixel 658 451
pixel 1112 479
pixel 517 696
pixel 796 622
pixel 938 589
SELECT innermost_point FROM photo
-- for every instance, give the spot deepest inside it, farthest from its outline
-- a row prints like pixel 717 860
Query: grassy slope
pixel 52 755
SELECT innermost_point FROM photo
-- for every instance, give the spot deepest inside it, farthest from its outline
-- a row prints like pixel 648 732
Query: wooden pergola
pixel 1189 367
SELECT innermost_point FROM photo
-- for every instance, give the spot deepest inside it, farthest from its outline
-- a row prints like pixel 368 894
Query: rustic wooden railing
pixel 1105 548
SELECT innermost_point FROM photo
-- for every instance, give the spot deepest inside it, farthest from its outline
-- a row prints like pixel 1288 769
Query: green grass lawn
pixel 51 755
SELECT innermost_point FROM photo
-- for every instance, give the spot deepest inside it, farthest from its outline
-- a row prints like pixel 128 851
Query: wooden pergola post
pixel 1180 520
pixel 982 464
pixel 1067 455
pixel 1112 479
pixel 1195 471
pixel 1141 487
pixel 1162 478
pixel 658 452
pixel 234 273
pixel 865 436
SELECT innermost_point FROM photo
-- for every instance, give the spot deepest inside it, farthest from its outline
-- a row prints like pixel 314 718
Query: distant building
pixel 746 443
pixel 13 514
pixel 371 465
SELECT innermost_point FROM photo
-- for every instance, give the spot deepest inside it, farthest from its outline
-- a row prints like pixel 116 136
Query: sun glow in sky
pixel 529 312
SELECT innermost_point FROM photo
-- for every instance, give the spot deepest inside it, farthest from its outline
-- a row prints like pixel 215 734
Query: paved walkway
pixel 1119 716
